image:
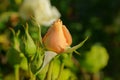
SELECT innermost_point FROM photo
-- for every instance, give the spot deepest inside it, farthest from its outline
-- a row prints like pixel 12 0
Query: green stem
pixel 60 72
pixel 50 71
pixel 16 67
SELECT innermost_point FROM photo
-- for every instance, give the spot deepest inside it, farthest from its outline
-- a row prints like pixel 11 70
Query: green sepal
pixel 74 48
pixel 16 41
pixel 39 30
pixel 37 61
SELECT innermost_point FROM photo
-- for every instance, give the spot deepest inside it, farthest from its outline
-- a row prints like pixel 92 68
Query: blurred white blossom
pixel 44 13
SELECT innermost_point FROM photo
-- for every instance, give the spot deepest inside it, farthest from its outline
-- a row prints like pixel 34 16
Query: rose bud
pixel 30 47
pixel 57 38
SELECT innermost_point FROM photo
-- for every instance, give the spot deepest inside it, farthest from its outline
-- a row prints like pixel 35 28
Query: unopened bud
pixel 30 47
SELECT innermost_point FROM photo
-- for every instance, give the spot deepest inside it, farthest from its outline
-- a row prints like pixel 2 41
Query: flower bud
pixel 57 38
pixel 30 47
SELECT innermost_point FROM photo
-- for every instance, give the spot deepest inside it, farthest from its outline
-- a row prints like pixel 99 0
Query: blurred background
pixel 98 19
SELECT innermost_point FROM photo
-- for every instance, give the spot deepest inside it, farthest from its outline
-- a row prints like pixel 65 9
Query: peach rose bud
pixel 57 38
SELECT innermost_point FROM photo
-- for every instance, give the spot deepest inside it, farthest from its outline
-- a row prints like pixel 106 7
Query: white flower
pixel 44 13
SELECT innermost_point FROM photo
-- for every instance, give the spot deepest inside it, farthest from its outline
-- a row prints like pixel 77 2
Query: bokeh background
pixel 98 19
